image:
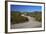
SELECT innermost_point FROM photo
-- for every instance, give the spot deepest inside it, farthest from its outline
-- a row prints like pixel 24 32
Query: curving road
pixel 32 23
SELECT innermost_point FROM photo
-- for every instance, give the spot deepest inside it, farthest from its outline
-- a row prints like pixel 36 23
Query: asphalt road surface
pixel 32 23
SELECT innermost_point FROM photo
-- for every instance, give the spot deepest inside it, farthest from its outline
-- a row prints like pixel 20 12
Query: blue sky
pixel 25 8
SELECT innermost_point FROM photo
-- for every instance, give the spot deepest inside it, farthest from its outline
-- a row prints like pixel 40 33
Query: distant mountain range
pixel 26 12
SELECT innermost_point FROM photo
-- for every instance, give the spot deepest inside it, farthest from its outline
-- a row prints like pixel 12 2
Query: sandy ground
pixel 32 23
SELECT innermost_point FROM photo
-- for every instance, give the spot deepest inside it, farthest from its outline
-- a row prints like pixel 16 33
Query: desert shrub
pixel 36 15
pixel 33 15
pixel 38 18
pixel 17 18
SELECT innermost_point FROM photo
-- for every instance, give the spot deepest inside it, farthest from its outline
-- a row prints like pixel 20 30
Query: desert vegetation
pixel 36 15
pixel 17 18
